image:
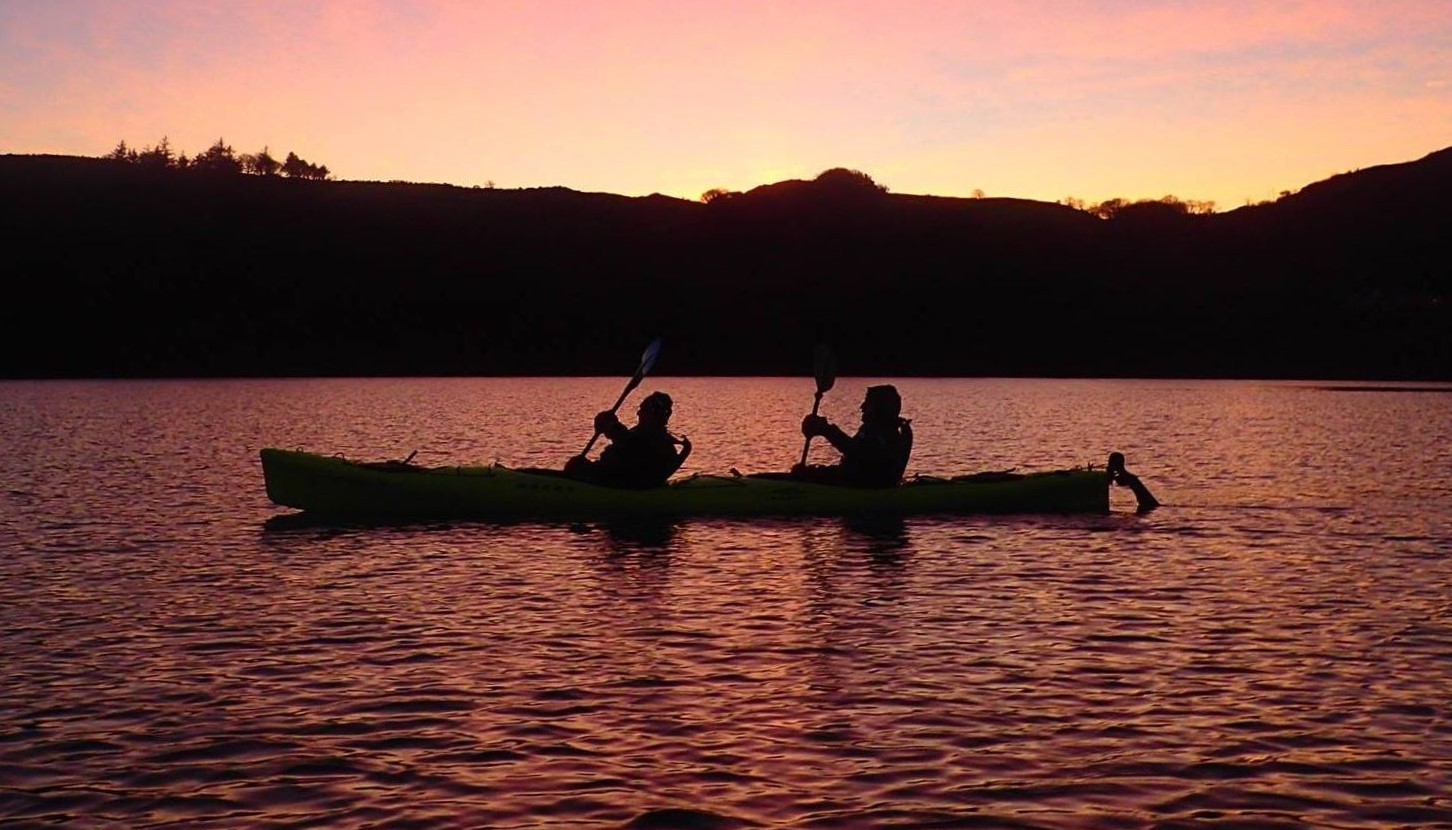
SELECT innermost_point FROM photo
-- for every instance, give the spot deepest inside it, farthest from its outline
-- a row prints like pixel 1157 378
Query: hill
pixel 119 271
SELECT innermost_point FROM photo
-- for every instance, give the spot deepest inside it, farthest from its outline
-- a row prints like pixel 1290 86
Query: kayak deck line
pixel 337 486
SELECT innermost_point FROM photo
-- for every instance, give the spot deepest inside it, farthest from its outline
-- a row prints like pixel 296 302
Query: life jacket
pixel 640 459
pixel 877 458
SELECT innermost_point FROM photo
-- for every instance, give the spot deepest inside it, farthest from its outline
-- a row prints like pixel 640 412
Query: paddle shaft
pixel 807 445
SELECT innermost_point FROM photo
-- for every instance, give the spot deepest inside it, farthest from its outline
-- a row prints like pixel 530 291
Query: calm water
pixel 1273 648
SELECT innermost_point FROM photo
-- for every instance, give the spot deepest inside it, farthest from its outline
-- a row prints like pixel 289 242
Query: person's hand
pixel 814 425
pixel 605 421
pixel 684 443
pixel 906 425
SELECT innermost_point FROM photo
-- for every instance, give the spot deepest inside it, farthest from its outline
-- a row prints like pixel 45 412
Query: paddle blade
pixel 647 362
pixel 824 367
pixel 648 358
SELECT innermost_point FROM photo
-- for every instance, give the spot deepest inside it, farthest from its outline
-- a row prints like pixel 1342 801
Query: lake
pixel 1270 648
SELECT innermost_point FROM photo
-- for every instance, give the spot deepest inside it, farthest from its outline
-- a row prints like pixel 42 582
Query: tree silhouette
pixel 1164 207
pixel 296 168
pixel 846 180
pixel 718 193
pixel 159 157
pixel 261 163
pixel 219 158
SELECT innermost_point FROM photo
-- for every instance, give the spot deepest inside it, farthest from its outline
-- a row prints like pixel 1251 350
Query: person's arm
pixel 682 455
pixel 608 425
pixel 837 438
pixel 815 425
pixel 1124 478
pixel 1144 499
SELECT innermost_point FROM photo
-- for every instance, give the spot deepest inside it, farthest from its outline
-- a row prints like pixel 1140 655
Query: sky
pixel 1230 102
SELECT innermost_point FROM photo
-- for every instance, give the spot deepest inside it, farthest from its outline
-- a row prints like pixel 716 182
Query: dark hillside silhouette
pixel 119 269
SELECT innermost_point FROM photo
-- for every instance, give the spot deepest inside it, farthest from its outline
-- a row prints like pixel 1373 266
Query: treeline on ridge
pixel 219 158
pixel 119 270
pixel 847 182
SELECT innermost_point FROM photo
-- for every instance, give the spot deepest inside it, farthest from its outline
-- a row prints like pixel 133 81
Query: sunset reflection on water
pixel 1269 648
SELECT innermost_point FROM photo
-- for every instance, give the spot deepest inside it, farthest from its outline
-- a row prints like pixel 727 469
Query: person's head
pixel 655 410
pixel 881 405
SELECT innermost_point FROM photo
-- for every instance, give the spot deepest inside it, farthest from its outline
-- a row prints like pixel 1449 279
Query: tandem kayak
pixel 324 485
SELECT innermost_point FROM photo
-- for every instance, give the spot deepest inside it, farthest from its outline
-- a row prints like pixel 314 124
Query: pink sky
pixel 1230 102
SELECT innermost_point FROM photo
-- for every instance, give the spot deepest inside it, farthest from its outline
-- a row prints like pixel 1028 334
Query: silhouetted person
pixel 876 456
pixel 1125 478
pixel 640 457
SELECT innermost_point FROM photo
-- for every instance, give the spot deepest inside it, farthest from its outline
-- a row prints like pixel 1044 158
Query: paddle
pixel 824 366
pixel 647 360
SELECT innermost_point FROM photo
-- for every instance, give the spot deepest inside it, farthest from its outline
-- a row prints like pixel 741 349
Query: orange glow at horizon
pixel 1041 100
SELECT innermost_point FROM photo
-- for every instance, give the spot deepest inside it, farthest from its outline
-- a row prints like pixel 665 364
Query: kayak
pixel 323 485
pixel 336 486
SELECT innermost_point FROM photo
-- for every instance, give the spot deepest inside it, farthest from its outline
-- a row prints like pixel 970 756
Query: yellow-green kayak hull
pixel 335 486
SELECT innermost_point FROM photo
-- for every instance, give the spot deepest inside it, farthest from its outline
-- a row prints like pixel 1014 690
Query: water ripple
pixel 1271 649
